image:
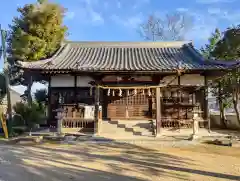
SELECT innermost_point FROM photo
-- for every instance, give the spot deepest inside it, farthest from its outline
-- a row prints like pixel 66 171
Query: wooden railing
pixel 74 125
pixel 181 123
pixel 75 122
pixel 177 123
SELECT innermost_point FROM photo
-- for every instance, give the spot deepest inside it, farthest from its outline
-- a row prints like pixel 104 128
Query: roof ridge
pixel 194 52
pixel 133 44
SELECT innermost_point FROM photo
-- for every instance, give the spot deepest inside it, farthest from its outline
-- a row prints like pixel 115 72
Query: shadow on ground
pixel 96 161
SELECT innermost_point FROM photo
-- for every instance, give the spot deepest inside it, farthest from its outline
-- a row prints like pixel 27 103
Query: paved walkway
pixel 118 162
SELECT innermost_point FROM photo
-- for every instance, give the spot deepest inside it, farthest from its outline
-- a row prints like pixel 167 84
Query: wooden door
pixel 116 108
pixel 129 106
pixel 139 105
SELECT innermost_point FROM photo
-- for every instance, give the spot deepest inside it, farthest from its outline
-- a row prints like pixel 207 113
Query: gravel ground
pixel 118 162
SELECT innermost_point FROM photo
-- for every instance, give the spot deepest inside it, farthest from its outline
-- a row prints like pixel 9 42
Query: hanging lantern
pixel 120 93
pixel 143 92
pixel 135 91
pixel 90 91
pixel 113 93
pixel 149 92
pixel 109 92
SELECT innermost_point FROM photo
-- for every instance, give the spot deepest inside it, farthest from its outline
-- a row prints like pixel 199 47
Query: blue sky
pixel 118 20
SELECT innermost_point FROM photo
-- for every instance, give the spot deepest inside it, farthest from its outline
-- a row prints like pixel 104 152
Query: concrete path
pixel 118 162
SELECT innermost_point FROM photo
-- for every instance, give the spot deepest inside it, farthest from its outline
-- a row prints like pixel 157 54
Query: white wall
pixel 172 79
pixel 83 81
pixel 62 81
pixel 68 81
pixel 232 122
pixel 192 79
pixel 187 79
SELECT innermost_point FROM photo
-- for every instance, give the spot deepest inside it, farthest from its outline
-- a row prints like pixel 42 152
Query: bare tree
pixel 172 27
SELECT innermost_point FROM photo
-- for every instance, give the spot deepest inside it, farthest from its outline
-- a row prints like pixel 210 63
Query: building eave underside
pixel 164 72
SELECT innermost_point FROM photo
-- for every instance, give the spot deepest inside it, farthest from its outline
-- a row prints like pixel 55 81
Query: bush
pixel 31 115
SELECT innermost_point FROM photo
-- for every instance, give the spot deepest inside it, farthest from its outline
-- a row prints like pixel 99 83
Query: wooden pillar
pixel 206 108
pixel 49 113
pixel 178 97
pixel 100 110
pixel 96 110
pixel 158 111
pixel 75 88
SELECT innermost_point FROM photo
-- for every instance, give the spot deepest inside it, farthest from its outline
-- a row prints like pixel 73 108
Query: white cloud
pixel 131 22
pixel 140 3
pixel 214 11
pixel 182 9
pixel 69 15
pixel 232 17
pixel 213 1
pixel 96 17
pixel 88 14
pixel 89 2
pixel 203 26
pixel 204 23
pixel 119 5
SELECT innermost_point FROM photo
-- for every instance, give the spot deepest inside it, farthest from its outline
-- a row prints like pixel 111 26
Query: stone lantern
pixel 59 117
pixel 196 118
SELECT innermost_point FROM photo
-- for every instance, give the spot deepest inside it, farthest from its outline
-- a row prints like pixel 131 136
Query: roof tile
pixel 124 56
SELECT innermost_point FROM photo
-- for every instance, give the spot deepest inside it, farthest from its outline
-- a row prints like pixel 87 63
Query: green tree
pixel 217 88
pixel 228 49
pixel 212 42
pixel 34 35
pixel 2 87
pixel 41 97
pixel 31 115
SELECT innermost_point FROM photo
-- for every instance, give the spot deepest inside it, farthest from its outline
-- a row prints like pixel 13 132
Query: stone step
pixel 127 128
pixel 121 132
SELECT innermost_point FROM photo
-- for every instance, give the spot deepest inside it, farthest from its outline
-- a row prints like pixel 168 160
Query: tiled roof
pixel 124 56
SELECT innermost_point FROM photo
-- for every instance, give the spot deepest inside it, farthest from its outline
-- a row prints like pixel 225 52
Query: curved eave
pixel 31 64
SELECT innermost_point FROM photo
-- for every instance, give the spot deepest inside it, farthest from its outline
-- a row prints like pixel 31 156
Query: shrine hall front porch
pixel 139 129
pixel 128 111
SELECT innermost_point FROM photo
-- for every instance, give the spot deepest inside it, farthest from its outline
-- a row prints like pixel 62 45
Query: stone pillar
pixel 99 119
pixel 59 120
pixel 195 126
